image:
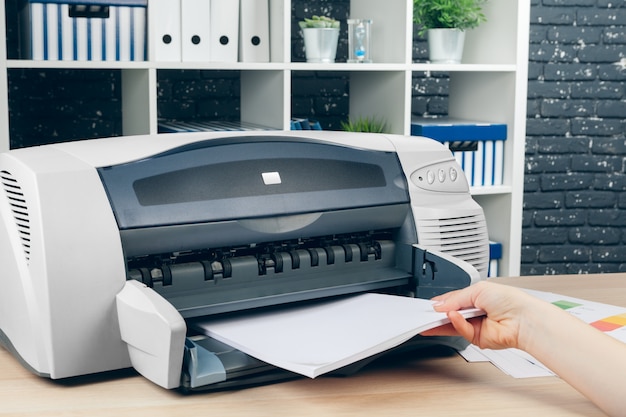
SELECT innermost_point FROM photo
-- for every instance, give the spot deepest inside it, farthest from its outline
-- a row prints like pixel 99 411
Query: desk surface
pixel 441 383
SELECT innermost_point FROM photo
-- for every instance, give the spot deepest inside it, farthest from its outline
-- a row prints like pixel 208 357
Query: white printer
pixel 109 246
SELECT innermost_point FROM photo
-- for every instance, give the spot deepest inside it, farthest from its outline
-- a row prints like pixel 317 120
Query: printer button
pixel 453 174
pixel 441 174
pixel 430 176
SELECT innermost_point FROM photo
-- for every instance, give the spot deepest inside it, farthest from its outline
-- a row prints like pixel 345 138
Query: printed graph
pixel 610 323
pixel 606 324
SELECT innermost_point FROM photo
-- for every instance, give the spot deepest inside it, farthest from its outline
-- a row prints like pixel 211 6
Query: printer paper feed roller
pixel 96 235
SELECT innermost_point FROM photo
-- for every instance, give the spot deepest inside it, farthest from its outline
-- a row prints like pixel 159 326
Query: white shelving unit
pixel 490 85
pixel 4 94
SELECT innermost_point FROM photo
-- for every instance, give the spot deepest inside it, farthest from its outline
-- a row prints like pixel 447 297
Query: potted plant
pixel 365 124
pixel 445 23
pixel 321 35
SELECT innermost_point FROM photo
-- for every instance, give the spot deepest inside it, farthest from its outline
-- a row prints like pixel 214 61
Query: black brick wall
pixel 60 105
pixel 575 182
pixel 193 94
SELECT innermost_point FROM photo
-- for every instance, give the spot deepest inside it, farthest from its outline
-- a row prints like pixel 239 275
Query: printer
pixel 110 247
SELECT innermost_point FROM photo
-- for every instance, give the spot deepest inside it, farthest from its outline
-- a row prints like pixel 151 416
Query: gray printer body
pixel 109 247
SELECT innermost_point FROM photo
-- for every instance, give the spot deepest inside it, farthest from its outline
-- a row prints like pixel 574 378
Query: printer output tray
pixel 236 369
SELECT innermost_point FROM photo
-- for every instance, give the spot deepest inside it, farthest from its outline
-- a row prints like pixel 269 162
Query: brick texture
pixel 49 106
pixel 574 219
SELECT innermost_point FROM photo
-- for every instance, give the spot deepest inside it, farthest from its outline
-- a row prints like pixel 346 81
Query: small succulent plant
pixel 319 22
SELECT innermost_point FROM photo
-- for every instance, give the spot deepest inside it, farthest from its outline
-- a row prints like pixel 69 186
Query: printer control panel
pixel 441 177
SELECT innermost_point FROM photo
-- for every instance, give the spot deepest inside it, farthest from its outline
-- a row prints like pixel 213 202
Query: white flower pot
pixel 320 44
pixel 445 46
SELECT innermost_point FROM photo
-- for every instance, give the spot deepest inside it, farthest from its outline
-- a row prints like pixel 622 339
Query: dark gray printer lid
pixel 250 177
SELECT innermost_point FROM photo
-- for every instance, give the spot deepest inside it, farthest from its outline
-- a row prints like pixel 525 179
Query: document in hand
pixel 317 338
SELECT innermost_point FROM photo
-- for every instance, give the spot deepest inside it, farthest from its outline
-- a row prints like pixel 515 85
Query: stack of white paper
pixel 318 338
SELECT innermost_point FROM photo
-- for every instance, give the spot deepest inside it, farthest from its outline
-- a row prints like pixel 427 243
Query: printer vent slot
pixel 17 204
pixel 463 237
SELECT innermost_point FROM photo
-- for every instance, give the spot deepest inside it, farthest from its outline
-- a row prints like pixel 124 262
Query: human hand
pixel 506 309
pixel 518 320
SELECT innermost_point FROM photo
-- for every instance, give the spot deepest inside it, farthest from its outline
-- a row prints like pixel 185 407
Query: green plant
pixel 438 14
pixel 319 22
pixel 365 124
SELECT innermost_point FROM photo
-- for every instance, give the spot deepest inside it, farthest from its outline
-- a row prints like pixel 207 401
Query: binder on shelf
pixel 196 30
pixel 165 30
pixel 84 30
pixel 446 129
pixel 299 123
pixel 224 29
pixel 477 146
pixel 495 254
pixel 254 31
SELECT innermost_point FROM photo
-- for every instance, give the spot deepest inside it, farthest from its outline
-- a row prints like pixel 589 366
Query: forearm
pixel 590 361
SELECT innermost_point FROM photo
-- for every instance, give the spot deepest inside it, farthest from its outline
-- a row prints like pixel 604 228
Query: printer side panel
pixel 447 219
pixel 75 267
pixel 20 309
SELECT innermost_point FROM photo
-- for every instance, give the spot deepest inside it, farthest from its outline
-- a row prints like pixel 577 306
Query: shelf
pixel 489 85
pixel 425 67
pixel 26 63
pixel 342 66
pixel 144 65
pixel 259 66
pixel 491 190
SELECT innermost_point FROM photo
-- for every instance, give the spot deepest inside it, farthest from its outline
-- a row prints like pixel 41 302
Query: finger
pixel 444 330
pixel 462 326
pixel 456 300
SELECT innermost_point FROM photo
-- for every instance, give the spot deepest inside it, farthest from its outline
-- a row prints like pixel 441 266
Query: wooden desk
pixel 440 384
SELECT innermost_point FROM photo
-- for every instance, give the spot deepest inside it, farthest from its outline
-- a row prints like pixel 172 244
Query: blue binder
pixel 451 130
pixel 477 146
pixel 84 30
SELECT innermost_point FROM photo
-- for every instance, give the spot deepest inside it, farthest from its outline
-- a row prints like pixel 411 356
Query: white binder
pixel 224 30
pixel 126 22
pixel 81 39
pixel 196 30
pixel 254 32
pixel 165 32
pixel 43 43
pixel 138 48
pixel 53 34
